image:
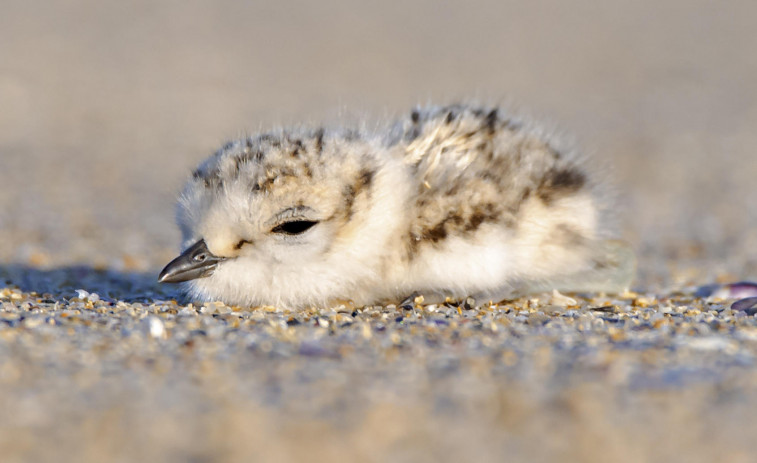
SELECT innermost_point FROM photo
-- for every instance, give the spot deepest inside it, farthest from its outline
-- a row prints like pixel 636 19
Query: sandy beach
pixel 107 108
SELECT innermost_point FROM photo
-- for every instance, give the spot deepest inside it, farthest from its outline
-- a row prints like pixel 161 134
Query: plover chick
pixel 450 202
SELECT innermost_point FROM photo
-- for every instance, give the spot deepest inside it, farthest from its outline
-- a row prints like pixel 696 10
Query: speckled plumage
pixel 451 201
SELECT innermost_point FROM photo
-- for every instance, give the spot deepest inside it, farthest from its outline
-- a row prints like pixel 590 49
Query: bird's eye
pixel 200 257
pixel 295 227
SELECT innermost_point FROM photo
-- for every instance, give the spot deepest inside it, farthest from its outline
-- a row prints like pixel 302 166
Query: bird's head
pixel 274 219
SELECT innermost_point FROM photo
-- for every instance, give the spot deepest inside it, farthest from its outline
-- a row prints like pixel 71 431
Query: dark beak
pixel 195 262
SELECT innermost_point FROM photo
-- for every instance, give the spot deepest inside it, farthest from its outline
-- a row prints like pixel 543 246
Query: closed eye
pixel 294 227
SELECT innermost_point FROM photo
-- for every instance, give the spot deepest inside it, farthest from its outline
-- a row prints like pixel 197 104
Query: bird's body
pixel 451 202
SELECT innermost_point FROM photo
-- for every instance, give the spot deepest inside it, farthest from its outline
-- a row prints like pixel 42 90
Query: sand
pixel 107 108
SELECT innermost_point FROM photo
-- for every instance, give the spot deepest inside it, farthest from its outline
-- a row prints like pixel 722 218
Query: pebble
pixel 156 327
pixel 741 289
pixel 562 300
pixel 747 305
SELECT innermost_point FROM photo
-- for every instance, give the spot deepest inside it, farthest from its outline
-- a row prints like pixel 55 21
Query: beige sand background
pixel 105 107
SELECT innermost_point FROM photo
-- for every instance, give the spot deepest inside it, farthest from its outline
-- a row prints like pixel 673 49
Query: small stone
pixel 747 305
pixel 562 300
pixel 739 290
pixel 603 309
pixel 156 327
pixel 223 308
pixel 211 308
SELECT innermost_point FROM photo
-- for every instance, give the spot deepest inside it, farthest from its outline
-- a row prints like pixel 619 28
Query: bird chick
pixel 450 202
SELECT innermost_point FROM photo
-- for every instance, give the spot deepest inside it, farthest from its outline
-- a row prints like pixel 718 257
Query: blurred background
pixel 105 107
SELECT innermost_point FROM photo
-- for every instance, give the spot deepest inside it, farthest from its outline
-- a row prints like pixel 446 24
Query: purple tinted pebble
pixel 739 290
pixel 743 289
pixel 748 305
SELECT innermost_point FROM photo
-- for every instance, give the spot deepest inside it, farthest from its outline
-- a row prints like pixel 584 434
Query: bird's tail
pixel 612 269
